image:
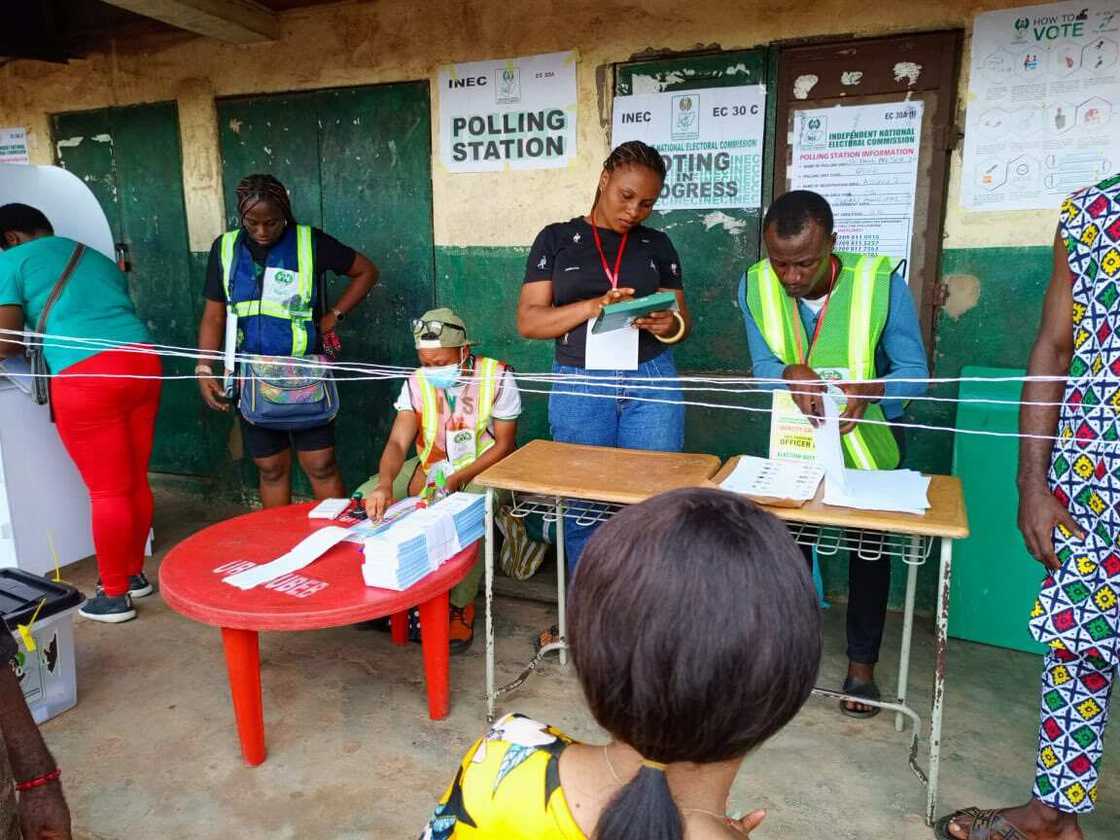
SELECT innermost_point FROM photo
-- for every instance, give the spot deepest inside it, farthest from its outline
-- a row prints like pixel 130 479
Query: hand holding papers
pixel 401 554
pixel 901 491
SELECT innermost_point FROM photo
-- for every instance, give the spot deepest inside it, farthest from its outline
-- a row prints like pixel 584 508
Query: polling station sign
pixel 515 113
pixel 711 140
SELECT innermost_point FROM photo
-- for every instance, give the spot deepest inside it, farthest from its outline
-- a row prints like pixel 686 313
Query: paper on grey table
pixel 306 552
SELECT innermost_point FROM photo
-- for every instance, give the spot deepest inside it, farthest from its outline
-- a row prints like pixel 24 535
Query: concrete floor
pixel 150 750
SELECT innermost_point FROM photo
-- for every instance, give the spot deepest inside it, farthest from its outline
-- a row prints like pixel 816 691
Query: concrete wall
pixel 995 265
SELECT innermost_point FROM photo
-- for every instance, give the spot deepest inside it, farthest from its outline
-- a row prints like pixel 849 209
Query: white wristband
pixel 209 371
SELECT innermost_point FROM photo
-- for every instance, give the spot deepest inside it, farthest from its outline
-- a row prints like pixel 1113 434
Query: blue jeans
pixel 619 414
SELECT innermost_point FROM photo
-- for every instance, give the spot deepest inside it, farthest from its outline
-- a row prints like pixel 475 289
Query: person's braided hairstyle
pixel 633 153
pixel 636 153
pixel 253 189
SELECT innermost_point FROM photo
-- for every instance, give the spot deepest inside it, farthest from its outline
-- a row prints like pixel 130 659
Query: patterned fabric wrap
pixel 1077 611
pixel 508 788
pixel 288 394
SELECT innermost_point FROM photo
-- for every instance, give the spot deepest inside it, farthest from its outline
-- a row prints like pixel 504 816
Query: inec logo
pixel 685 123
pixel 284 278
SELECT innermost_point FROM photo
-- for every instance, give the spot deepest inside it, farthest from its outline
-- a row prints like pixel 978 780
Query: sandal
pixel 862 690
pixel 546 637
pixel 985 825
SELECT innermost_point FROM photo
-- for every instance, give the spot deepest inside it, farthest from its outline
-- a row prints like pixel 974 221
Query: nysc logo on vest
pixel 462 436
pixel 284 278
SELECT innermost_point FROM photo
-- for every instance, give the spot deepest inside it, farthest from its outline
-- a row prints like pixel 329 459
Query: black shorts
pixel 264 443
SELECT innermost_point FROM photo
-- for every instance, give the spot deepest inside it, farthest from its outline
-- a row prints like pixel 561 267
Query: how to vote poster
pixel 711 140
pixel 515 113
pixel 1042 119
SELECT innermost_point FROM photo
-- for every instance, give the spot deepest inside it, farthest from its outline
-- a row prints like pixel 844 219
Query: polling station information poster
pixel 864 160
pixel 711 140
pixel 1043 96
pixel 510 113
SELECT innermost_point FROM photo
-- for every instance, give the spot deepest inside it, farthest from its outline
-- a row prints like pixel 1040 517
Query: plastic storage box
pixel 47 674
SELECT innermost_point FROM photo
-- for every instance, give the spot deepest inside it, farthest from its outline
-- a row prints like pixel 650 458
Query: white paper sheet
pixel 896 491
pixel 826 439
pixel 761 477
pixel 614 350
pixel 304 554
pixel 328 509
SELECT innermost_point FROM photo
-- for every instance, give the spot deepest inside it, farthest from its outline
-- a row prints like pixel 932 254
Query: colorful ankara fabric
pixel 1076 613
pixel 508 788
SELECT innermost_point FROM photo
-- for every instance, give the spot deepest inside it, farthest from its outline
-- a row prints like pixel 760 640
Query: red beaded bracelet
pixel 39 781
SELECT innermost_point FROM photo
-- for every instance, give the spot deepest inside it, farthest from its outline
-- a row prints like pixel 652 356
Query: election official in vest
pixel 813 313
pixel 269 275
pixel 460 410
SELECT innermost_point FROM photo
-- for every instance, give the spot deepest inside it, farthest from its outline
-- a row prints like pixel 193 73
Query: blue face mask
pixel 442 377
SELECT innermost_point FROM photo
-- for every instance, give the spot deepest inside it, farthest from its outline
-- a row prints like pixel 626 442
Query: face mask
pixel 442 377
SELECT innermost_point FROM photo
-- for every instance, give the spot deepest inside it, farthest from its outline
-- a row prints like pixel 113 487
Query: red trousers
pixel 107 424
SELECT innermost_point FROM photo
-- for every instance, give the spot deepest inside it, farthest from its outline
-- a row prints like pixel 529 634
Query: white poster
pixel 864 160
pixel 516 113
pixel 13 145
pixel 711 140
pixel 1041 119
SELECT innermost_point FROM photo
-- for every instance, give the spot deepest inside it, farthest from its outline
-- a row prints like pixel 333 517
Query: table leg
pixel 398 625
pixel 243 660
pixel 435 639
pixel 561 581
pixel 942 643
pixel 488 559
pixel 907 627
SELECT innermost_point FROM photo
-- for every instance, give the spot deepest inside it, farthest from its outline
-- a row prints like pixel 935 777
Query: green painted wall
pixel 130 158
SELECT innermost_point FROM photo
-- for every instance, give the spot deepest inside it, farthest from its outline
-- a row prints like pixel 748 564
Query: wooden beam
pixel 235 21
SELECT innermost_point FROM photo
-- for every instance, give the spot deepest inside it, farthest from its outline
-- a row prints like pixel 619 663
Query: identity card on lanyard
pixel 615 349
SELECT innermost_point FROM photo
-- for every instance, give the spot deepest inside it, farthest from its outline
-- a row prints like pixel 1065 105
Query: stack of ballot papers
pixel 900 491
pixel 783 483
pixel 402 554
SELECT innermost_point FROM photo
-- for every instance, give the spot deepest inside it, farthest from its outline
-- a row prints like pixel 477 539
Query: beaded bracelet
pixel 39 781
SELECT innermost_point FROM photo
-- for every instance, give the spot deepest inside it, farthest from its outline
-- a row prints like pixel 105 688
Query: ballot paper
pixel 304 554
pixel 899 491
pixel 400 555
pixel 896 491
pixel 826 441
pixel 778 482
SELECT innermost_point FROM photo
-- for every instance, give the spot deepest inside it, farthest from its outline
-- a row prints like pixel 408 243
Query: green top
pixel 94 304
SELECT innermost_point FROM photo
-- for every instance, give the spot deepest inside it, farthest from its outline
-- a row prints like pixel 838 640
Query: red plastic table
pixel 328 593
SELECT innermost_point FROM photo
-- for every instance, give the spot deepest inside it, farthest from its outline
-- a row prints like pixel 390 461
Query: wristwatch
pixel 338 314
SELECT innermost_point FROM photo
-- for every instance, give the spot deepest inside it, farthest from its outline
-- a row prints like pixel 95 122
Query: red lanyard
pixel 612 276
pixel 801 358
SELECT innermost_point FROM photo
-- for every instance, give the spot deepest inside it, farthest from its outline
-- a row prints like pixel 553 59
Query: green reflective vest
pixel 857 313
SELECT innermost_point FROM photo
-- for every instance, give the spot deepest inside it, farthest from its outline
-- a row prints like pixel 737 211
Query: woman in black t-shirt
pixel 623 390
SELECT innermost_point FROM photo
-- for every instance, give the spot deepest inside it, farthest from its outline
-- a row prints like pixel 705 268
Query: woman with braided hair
pixel 625 393
pixel 260 273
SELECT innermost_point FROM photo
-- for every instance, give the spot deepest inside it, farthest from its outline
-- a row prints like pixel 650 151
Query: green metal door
pixel 715 249
pixel 131 160
pixel 357 162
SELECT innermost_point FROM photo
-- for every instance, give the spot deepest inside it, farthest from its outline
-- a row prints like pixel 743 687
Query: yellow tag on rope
pixel 24 630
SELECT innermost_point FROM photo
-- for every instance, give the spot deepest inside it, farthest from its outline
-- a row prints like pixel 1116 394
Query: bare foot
pixel 1035 820
pixel 864 674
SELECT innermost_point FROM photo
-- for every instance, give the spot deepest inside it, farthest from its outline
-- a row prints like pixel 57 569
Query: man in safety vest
pixel 461 412
pixel 816 314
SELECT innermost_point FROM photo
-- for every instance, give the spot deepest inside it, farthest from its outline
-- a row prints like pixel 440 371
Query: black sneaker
pixel 105 608
pixel 138 586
